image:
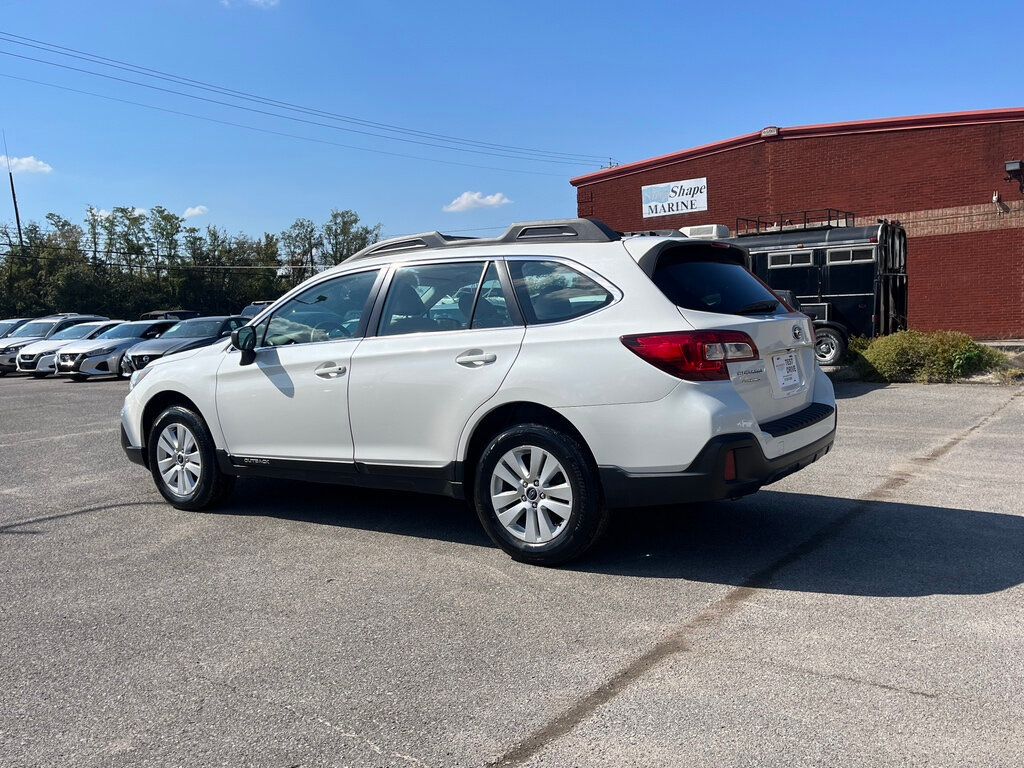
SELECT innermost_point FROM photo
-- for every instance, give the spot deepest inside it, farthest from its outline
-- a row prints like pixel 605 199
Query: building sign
pixel 675 197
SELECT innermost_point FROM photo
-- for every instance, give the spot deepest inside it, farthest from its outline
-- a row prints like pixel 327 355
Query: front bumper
pixel 9 362
pixel 704 479
pixel 135 455
pixel 138 362
pixel 80 365
pixel 37 364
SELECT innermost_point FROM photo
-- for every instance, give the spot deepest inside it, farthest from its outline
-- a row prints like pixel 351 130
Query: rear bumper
pixel 704 479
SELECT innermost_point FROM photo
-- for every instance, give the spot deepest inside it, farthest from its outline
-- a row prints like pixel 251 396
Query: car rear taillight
pixel 693 355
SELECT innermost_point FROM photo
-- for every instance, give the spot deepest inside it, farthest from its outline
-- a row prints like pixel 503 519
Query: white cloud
pixel 28 164
pixel 196 210
pixel 140 211
pixel 467 201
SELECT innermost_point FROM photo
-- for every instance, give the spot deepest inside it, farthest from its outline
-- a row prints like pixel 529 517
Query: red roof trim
pixel 916 122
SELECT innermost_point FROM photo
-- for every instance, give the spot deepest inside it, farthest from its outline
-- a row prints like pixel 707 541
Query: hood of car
pixel 169 346
pixel 18 343
pixel 46 345
pixel 169 359
pixel 89 345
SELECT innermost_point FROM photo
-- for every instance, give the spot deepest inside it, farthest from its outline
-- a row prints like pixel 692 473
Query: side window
pixel 491 310
pixel 236 322
pixel 431 297
pixel 155 331
pixel 850 256
pixel 329 310
pixel 550 292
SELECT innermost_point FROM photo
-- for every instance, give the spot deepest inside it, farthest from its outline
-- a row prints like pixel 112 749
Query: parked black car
pixel 188 334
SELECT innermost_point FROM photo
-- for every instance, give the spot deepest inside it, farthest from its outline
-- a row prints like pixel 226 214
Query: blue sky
pixel 618 80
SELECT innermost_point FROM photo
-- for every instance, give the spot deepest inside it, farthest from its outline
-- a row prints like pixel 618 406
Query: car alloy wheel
pixel 531 494
pixel 178 459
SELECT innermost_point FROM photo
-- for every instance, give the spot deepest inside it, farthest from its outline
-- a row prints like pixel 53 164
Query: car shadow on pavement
pixel 846 390
pixel 773 539
pixel 820 544
pixel 395 512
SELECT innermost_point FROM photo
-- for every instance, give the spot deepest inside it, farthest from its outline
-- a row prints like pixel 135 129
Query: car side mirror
pixel 244 340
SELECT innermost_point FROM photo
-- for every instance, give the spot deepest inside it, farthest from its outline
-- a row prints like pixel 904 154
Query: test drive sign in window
pixel 675 197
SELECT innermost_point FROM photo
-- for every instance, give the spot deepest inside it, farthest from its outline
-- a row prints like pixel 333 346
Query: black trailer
pixel 853 280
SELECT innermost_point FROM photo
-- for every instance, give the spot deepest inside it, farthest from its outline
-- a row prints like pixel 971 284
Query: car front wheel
pixel 538 495
pixel 183 460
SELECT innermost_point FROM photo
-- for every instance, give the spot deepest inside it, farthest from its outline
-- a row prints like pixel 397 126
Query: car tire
pixel 829 346
pixel 78 377
pixel 183 461
pixel 556 512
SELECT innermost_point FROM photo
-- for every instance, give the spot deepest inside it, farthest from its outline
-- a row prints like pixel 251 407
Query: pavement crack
pixel 101 508
pixel 856 680
pixel 680 639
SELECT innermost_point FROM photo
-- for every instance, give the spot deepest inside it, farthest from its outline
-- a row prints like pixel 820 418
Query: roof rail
pixel 553 231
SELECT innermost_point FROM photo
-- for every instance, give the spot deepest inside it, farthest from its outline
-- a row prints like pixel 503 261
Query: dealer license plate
pixel 787 372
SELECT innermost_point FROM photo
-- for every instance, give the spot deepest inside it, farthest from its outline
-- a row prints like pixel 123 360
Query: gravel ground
pixel 866 611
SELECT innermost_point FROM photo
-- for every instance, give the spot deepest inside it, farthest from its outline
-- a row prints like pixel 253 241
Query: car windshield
pixel 194 329
pixel 713 286
pixel 37 328
pixel 79 331
pixel 126 331
pixel 6 326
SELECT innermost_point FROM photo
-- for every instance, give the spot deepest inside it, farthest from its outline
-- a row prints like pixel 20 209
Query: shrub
pixel 927 357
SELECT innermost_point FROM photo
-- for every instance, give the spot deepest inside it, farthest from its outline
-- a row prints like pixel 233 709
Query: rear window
pixel 713 286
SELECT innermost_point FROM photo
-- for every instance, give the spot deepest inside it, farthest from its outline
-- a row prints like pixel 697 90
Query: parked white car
pixel 36 330
pixel 104 355
pixel 39 359
pixel 547 375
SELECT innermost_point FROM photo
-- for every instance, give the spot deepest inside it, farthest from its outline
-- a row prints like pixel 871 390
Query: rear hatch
pixel 713 290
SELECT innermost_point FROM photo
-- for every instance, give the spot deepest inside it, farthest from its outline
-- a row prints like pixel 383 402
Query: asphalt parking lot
pixel 867 611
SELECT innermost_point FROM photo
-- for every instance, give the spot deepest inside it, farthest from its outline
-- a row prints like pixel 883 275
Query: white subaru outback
pixel 547 375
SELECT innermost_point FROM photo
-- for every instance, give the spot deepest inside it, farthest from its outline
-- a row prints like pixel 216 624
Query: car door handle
pixel 475 358
pixel 330 370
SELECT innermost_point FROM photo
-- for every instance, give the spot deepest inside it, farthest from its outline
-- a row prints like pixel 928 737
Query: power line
pixel 156 267
pixel 272 132
pixel 285 117
pixel 243 95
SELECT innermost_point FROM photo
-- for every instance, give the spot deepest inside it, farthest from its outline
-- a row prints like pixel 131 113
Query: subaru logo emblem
pixel 798 332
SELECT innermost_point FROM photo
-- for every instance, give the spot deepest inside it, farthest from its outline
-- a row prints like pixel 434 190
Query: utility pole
pixel 14 196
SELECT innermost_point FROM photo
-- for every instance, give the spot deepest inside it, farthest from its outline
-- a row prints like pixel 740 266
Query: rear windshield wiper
pixel 759 308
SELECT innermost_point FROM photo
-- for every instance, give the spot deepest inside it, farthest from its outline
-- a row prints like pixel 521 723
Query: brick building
pixel 943 176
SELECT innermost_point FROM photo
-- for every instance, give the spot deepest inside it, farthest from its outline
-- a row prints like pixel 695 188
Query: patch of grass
pixel 941 356
pixel 1011 376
